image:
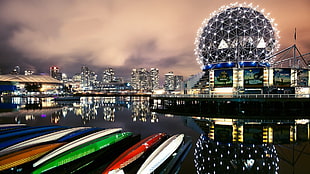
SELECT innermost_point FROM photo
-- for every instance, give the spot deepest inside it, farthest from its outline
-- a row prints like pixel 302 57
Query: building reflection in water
pixel 109 114
pixel 246 146
pixel 141 110
pixel 87 108
pixel 55 118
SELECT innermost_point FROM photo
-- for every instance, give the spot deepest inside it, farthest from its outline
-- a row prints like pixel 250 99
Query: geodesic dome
pixel 238 33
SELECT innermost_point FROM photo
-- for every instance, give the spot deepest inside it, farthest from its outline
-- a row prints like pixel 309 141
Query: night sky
pixel 123 34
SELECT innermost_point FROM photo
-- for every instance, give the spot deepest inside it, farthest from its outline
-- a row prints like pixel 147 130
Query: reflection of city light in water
pixel 216 157
pixel 55 118
pixel 64 111
pixel 154 117
pixel 109 114
pixel 29 117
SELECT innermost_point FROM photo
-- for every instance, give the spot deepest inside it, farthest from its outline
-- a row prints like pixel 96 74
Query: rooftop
pixel 28 78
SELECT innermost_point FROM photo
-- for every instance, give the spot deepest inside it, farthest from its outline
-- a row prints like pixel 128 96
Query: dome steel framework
pixel 238 33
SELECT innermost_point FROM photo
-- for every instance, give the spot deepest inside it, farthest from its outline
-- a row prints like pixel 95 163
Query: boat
pixel 40 139
pixel 163 152
pixel 26 155
pixel 78 134
pixel 27 130
pixel 11 125
pixel 174 164
pixel 133 153
pixel 81 151
pixel 5 127
pixel 76 143
pixel 97 162
pixel 6 130
pixel 18 139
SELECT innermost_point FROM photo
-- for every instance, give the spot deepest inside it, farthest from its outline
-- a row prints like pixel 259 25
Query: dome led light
pixel 237 32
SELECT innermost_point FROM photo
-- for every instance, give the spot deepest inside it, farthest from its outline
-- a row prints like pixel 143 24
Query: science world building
pixel 238 51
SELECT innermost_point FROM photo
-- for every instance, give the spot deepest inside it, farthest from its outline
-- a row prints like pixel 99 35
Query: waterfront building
pixel 88 79
pixel 85 78
pixel 77 78
pixel 191 84
pixel 29 84
pixel 178 82
pixel 139 79
pixel 29 72
pixel 64 78
pixel 116 87
pixel 94 83
pixel 144 80
pixel 173 82
pixel 75 82
pixel 55 73
pixel 169 84
pixel 108 75
pixel 237 48
pixel 154 78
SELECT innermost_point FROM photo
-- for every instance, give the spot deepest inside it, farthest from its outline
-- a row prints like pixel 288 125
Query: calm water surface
pixel 130 113
pixel 214 151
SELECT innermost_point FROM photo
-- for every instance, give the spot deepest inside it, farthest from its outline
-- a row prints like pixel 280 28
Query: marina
pixel 93 115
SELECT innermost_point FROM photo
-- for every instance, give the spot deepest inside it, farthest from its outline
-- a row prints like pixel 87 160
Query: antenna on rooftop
pixel 294 52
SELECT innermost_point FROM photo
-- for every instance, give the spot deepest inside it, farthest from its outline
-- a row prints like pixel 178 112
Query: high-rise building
pixel 108 75
pixel 88 79
pixel 134 78
pixel 76 81
pixel 85 75
pixel 55 73
pixel 169 84
pixel 77 78
pixel 94 83
pixel 64 77
pixel 154 78
pixel 141 79
pixel 173 82
pixel 178 82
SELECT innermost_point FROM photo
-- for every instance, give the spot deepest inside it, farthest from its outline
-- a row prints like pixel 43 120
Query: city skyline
pixel 123 35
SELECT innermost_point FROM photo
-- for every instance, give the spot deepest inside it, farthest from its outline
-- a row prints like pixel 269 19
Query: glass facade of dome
pixel 236 34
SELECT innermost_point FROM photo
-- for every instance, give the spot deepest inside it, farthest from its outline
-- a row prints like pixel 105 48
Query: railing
pixel 231 95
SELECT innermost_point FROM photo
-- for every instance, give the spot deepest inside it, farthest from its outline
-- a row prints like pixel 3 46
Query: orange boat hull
pixel 26 155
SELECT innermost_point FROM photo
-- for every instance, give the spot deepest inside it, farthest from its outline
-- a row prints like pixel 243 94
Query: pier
pixel 264 106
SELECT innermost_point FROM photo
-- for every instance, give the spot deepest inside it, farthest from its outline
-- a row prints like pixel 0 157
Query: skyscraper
pixel 108 75
pixel 141 79
pixel 154 78
pixel 169 82
pixel 173 82
pixel 178 82
pixel 85 78
pixel 54 72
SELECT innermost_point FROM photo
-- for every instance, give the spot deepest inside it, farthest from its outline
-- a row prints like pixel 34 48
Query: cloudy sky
pixel 123 34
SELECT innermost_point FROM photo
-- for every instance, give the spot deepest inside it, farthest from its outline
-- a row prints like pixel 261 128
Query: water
pixel 130 113
pixel 134 114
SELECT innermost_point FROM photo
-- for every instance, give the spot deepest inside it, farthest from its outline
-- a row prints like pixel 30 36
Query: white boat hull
pixel 163 152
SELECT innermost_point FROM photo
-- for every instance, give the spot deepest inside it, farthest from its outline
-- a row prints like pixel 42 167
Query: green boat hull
pixel 81 151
